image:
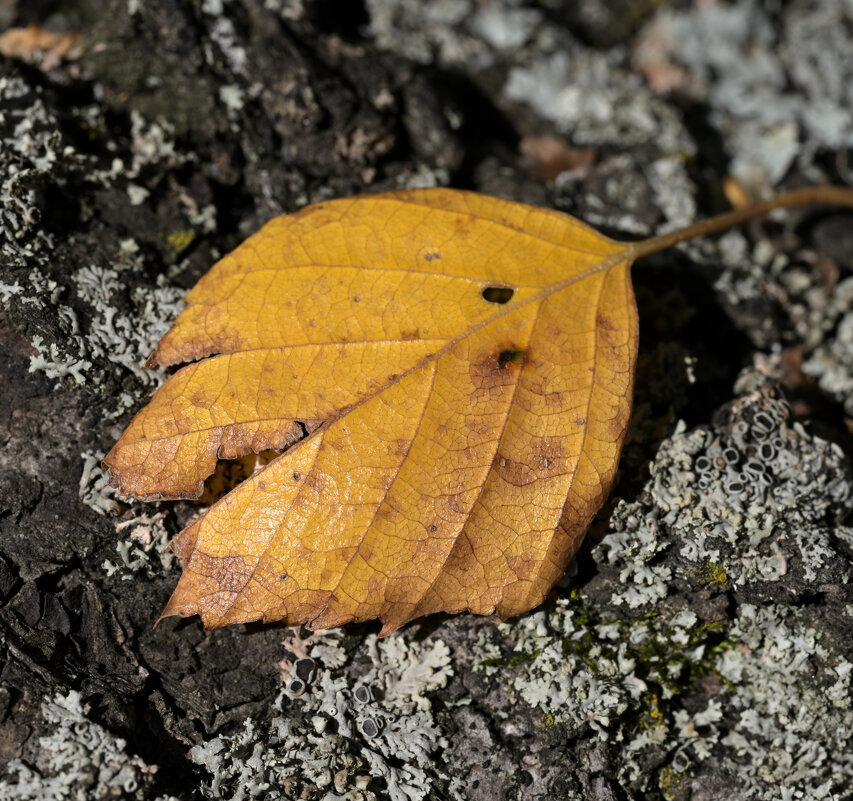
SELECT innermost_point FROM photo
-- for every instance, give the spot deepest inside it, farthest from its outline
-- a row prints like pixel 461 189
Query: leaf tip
pixel 389 627
pixel 114 473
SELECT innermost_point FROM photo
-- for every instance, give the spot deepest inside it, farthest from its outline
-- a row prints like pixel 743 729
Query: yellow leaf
pixel 453 373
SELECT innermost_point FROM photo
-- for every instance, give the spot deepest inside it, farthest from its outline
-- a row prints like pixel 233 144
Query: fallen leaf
pixel 736 193
pixel 552 156
pixel 453 376
pixel 37 46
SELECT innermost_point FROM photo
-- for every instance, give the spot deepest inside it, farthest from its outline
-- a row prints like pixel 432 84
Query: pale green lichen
pixel 141 537
pixel 110 337
pixel 142 546
pixel 767 495
pixel 50 360
pixel 777 89
pixel 78 761
pixel 95 489
pixel 330 738
pixel 792 709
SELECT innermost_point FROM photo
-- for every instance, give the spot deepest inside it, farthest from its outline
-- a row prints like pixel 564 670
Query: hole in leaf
pixel 508 356
pixel 498 294
pixel 230 473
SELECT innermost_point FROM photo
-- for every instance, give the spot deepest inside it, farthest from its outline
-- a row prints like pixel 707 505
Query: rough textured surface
pixel 700 650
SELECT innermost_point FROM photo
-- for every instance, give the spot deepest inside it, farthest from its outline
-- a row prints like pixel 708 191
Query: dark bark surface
pixel 677 658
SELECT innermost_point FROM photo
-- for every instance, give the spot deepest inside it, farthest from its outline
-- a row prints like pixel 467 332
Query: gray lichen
pixel 589 94
pixel 792 706
pixel 331 739
pixel 593 97
pixel 764 496
pixel 32 155
pixel 445 32
pixel 78 761
pixel 788 301
pixel 776 95
pixel 91 336
pixel 142 545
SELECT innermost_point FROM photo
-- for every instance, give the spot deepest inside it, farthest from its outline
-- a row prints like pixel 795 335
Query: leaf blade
pixel 496 528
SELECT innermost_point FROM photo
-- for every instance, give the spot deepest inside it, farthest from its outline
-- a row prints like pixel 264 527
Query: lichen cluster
pixel 33 155
pixel 777 95
pixel 78 330
pixel 333 739
pixel 80 760
pixel 754 494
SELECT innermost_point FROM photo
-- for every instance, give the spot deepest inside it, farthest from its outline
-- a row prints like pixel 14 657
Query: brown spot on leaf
pixel 229 573
pixel 455 505
pixel 376 587
pixel 461 557
pixel 544 458
pixel 465 225
pixel 489 373
pixel 523 567
pixel 511 471
pixel 616 427
pixel 238 439
pixel 183 544
pixel 314 481
pixel 400 447
pixel 510 356
pixel 477 427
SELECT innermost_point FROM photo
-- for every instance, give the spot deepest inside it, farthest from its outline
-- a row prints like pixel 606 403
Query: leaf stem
pixel 835 195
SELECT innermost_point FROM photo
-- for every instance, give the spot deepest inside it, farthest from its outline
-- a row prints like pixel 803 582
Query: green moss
pixel 672 784
pixel 652 716
pixel 179 241
pixel 709 574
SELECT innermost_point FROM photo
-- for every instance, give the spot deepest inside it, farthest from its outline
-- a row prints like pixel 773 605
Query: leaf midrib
pixel 610 261
pixel 605 265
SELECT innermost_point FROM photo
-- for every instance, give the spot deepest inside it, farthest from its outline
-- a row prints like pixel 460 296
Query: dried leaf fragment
pixel 36 45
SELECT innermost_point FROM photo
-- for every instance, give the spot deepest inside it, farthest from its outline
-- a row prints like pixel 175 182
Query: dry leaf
pixel 736 193
pixel 38 46
pixel 552 156
pixel 456 373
